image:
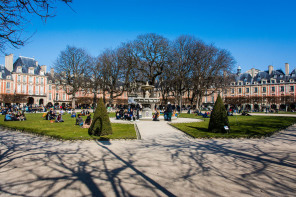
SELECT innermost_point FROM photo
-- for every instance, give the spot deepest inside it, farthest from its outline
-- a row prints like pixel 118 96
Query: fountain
pixel 147 102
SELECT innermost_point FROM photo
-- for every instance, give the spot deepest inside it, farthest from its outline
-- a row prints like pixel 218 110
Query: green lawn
pixel 280 112
pixel 240 126
pixel 66 130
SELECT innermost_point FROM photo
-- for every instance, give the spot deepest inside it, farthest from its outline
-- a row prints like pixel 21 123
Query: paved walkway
pixel 164 163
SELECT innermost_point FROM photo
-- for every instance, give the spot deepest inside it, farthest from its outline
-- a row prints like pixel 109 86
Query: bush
pixel 218 117
pixel 101 123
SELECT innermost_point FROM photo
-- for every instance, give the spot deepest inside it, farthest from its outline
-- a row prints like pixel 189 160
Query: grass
pixel 66 130
pixel 280 112
pixel 240 127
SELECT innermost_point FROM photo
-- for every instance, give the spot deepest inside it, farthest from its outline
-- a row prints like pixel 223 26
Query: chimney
pixel 239 70
pixel 52 72
pixel 253 72
pixel 43 68
pixel 287 68
pixel 9 62
pixel 36 63
pixel 270 69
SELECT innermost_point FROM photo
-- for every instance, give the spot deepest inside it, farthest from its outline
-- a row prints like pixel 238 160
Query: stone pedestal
pixel 146 113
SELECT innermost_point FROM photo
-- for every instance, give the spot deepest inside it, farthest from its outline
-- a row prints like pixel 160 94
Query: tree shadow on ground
pixel 159 167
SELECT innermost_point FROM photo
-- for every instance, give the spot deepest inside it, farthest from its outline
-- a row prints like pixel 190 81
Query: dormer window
pixel 31 71
pixel 19 69
pixel 264 82
pixel 273 81
pixel 247 83
pixel 293 75
pixel 275 76
pixel 8 77
pixel 282 76
pixel 41 72
pixel 281 81
pixel 291 80
pixel 240 83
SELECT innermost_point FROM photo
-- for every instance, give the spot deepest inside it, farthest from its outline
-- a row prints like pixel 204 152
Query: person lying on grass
pixel 87 122
pixel 79 120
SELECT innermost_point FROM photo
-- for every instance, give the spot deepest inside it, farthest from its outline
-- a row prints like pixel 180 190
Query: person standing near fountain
pixel 169 111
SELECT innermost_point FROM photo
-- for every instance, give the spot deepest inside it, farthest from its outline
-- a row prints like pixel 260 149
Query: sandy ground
pixel 164 163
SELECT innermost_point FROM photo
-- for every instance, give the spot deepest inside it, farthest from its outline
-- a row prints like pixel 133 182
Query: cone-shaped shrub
pixel 101 123
pixel 219 117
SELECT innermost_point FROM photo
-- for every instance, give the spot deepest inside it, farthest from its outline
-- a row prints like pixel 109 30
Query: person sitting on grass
pixel 20 116
pixel 79 120
pixel 73 115
pixel 87 112
pixel 59 118
pixel 8 117
pixel 87 122
pixel 117 113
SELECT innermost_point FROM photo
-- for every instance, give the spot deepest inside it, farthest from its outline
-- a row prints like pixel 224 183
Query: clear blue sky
pixel 258 33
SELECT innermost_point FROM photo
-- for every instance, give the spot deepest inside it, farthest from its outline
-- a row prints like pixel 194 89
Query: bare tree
pixel 14 16
pixel 115 73
pixel 71 66
pixel 210 70
pixel 151 52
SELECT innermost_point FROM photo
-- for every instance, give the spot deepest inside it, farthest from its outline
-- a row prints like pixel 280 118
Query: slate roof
pixel 25 63
pixel 4 72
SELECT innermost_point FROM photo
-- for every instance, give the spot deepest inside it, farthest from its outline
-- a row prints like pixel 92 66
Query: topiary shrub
pixel 218 117
pixel 101 123
pixel 289 108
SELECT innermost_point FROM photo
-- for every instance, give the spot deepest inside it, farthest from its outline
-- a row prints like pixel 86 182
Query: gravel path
pixel 164 163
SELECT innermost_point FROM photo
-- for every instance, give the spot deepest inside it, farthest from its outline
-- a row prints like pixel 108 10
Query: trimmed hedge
pixel 218 117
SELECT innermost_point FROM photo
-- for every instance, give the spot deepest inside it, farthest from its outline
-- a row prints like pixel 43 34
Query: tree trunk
pixel 73 102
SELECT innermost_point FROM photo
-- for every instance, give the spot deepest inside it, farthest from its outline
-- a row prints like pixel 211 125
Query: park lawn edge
pixel 59 138
pixel 232 137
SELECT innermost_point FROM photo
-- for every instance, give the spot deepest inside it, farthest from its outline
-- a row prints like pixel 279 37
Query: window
pixel 264 82
pixel 30 89
pixel 19 88
pixel 225 91
pixel 282 76
pixel 291 88
pixel 24 89
pixel 31 71
pixel 273 89
pixel 41 90
pixel 57 96
pixel 282 88
pixel 239 90
pixel 41 80
pixel 232 90
pixel 37 80
pixel 240 83
pixel 275 76
pixel 264 89
pixel 30 79
pixel 293 75
pixel 64 96
pixel 19 70
pixel 272 81
pixel 49 96
pixel 247 90
pixel 18 78
pixel 24 79
pixel 8 85
pixel 255 90
pixel 49 87
pixel 37 90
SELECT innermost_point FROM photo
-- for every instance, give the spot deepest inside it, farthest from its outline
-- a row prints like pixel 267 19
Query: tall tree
pixel 115 73
pixel 14 17
pixel 71 65
pixel 210 68
pixel 151 52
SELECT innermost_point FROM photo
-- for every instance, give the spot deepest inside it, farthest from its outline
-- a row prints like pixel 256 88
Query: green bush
pixel 100 125
pixel 218 118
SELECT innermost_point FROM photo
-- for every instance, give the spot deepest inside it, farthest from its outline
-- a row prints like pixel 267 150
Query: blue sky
pixel 257 33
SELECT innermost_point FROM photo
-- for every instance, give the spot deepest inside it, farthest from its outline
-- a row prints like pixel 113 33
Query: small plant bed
pixel 240 127
pixel 66 130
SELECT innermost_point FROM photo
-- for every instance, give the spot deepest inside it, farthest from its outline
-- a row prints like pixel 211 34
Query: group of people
pixel 11 116
pixel 52 115
pixel 127 114
pixel 84 124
